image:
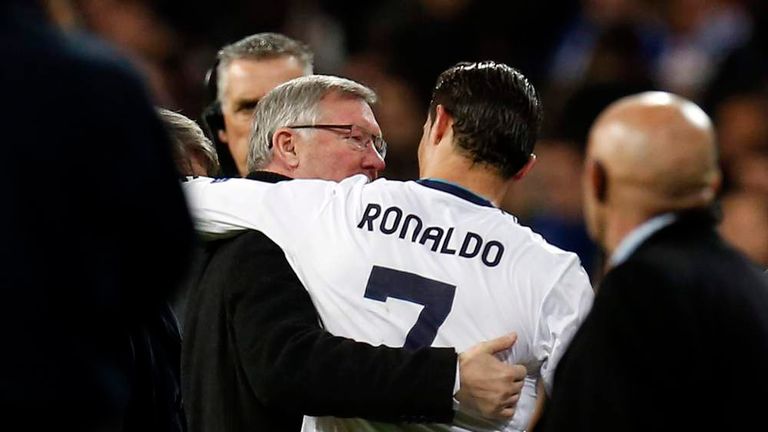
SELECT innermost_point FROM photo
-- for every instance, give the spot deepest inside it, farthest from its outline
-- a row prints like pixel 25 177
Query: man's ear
pixel 284 148
pixel 441 124
pixel 598 181
pixel 522 172
pixel 222 133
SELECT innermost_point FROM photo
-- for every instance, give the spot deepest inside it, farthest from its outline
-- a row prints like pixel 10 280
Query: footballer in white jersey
pixel 412 264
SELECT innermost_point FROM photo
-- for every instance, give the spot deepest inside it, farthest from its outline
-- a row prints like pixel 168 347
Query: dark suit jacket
pixel 95 236
pixel 255 358
pixel 677 340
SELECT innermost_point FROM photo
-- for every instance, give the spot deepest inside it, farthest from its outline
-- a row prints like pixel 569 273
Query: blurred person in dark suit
pixel 194 155
pixel 677 338
pixel 244 72
pixel 96 237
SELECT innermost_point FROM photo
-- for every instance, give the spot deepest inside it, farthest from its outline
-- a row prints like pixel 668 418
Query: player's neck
pixel 473 177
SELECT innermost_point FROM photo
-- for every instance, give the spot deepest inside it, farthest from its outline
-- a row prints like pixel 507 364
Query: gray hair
pixel 258 47
pixel 295 102
pixel 188 141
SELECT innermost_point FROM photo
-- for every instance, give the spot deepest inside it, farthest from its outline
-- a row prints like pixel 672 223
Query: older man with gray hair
pixel 254 356
pixel 309 127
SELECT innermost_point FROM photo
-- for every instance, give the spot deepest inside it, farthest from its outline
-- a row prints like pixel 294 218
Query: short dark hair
pixel 496 113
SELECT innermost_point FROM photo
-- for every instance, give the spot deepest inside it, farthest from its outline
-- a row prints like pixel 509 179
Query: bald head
pixel 658 152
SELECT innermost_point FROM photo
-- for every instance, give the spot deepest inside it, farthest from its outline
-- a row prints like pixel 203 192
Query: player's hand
pixel 489 386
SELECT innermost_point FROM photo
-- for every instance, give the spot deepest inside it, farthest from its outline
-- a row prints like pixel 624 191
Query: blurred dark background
pixel 580 54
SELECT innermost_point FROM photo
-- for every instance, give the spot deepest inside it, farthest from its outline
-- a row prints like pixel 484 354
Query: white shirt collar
pixel 637 236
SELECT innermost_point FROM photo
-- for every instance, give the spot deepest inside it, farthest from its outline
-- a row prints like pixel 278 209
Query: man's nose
pixel 373 160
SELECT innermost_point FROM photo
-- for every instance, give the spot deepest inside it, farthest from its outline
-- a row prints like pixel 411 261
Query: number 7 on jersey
pixel 436 297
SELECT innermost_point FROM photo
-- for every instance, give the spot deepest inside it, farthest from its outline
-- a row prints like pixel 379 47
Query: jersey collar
pixel 456 190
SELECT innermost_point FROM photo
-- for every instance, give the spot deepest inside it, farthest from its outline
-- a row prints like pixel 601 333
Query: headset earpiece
pixel 213 122
pixel 212 81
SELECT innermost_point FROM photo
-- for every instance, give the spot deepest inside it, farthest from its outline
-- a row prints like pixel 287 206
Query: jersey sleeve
pixel 563 309
pixel 283 211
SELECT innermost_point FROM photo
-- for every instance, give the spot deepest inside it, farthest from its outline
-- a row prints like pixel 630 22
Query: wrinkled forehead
pixel 346 108
pixel 248 78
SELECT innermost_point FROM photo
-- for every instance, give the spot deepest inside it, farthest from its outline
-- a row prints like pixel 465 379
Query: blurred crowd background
pixel 580 54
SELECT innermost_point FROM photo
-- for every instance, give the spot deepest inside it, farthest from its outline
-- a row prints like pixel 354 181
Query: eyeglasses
pixel 356 135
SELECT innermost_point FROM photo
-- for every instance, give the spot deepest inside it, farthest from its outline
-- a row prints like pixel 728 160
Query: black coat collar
pixel 267 176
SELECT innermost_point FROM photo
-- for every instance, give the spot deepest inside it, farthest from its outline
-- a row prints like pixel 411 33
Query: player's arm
pixel 294 364
pixel 223 207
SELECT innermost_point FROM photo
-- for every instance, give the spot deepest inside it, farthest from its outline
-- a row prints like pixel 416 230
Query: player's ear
pixel 442 124
pixel 284 147
pixel 526 168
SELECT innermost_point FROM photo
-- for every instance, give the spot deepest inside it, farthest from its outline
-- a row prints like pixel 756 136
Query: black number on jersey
pixel 435 296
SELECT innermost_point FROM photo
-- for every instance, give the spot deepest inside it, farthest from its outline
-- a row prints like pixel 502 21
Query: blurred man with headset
pixel 243 73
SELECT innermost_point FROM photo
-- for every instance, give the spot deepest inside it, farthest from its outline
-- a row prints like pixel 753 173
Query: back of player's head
pixel 189 142
pixel 261 46
pixel 496 113
pixel 296 102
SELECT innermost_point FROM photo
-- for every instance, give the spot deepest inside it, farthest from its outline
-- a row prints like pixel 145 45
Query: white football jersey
pixel 412 264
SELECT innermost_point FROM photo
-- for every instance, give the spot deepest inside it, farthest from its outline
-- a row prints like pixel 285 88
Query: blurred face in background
pixel 398 112
pixel 741 126
pixel 246 82
pixel 745 224
pixel 750 173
